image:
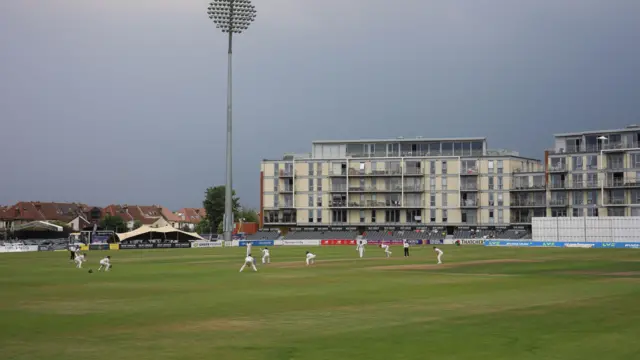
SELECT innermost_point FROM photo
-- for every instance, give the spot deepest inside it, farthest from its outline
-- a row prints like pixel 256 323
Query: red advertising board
pixel 338 242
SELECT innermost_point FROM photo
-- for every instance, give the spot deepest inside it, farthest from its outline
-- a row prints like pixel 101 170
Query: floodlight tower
pixel 230 16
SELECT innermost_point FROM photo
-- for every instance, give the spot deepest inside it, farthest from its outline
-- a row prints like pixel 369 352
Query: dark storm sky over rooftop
pixel 123 101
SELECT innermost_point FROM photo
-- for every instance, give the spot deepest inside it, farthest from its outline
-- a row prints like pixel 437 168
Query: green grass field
pixel 483 303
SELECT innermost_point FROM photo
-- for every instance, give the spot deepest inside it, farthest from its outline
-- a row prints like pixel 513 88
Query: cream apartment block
pixel 591 173
pixel 397 182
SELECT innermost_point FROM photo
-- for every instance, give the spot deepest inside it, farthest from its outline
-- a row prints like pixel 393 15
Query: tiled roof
pixel 192 215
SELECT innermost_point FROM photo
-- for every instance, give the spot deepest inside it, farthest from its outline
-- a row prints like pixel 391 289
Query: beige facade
pixel 468 186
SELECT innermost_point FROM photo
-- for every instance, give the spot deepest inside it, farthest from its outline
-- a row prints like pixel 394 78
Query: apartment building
pixel 400 182
pixel 595 173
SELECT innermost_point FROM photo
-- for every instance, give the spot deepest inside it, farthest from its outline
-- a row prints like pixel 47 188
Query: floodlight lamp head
pixel 233 16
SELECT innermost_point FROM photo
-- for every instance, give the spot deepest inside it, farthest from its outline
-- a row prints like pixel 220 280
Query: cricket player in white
pixel 439 252
pixel 405 245
pixel 311 258
pixel 79 259
pixel 106 263
pixel 249 260
pixel 385 247
pixel 360 248
pixel 266 256
pixel 249 248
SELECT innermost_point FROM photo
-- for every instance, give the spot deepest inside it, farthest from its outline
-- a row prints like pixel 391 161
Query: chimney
pixel 38 206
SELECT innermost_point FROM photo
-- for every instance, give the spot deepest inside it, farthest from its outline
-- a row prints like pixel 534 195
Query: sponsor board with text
pixel 155 246
pixel 18 248
pixel 298 242
pixel 206 244
pixel 338 242
pixel 256 242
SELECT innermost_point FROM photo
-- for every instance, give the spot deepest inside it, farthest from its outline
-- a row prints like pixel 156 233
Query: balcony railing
pixel 413 171
pixel 527 203
pixel 339 188
pixel 616 201
pixel 413 188
pixel 469 171
pixel 559 185
pixel 558 202
pixel 530 187
pixel 521 219
pixel 591 148
pixel 374 172
pixel 287 189
pixel 469 203
pixel 286 173
pixel 469 187
pixel 584 184
pixel 616 166
pixel 557 168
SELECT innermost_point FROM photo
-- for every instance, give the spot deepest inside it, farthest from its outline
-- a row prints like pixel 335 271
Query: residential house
pixel 152 216
pixel 27 211
pixel 190 217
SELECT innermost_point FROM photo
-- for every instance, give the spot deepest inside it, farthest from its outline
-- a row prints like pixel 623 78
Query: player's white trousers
pixel 439 258
pixel 266 259
pixel 245 265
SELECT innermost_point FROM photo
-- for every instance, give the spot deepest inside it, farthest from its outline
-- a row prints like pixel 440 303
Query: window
pixel 432 215
pixel 432 167
pixel 577 212
pixel 491 219
pixel 444 167
pixel 558 213
pixel 275 185
pixel 491 195
pixel 635 160
pixel 500 216
pixel 577 162
pixel 616 211
pixel 432 183
pixel 445 215
pixel 444 200
pixel 578 198
pixel 591 198
pixel 392 216
pixel 500 167
pixel 310 184
pixel 319 201
pixel 500 184
pixel 373 216
pixel 276 201
pixel 500 201
pixel 490 166
pixel 339 216
pixel 592 162
pixel 490 182
pixel 310 216
pixel 319 169
pixel 311 165
pixel 319 184
pixel 275 169
pixel 444 183
pixel 310 200
pixel 592 212
pixel 414 216
pixel 592 180
pixel 362 216
pixel 432 200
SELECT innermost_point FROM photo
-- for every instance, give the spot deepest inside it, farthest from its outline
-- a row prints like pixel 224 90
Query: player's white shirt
pixel 104 261
pixel 79 258
pixel 405 243
pixel 438 251
pixel 384 247
pixel 265 252
pixel 310 256
pixel 248 259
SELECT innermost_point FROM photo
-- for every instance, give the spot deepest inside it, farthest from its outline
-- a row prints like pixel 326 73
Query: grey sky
pixel 123 101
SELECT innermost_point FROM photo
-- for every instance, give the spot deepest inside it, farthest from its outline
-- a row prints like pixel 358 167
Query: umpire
pixel 405 244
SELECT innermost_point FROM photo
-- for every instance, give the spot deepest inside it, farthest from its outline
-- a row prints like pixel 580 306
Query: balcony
pixel 585 185
pixel 286 189
pixel 558 202
pixel 469 203
pixel 521 219
pixel 615 166
pixel 620 146
pixel 286 173
pixel 338 173
pixel 594 148
pixel 469 187
pixel 558 185
pixel 339 188
pixel 337 204
pixel 524 203
pixel 615 202
pixel 558 168
pixel 413 172
pixel 471 171
pixel 413 188
pixel 374 172
pixel 535 187
pixel 286 205
pixel 622 183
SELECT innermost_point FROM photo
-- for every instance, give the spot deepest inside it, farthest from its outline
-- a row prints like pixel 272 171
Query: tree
pixel 137 224
pixel 204 226
pixel 214 204
pixel 248 214
pixel 114 223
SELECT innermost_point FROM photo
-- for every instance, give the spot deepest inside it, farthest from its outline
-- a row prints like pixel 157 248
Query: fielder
pixel 249 260
pixel 360 248
pixel 106 263
pixel 79 259
pixel 249 248
pixel 266 256
pixel 385 247
pixel 439 252
pixel 311 258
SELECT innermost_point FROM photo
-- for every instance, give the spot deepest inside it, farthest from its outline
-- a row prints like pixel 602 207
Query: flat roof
pixel 631 128
pixel 412 140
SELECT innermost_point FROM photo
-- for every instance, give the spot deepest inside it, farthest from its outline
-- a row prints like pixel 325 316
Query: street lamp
pixel 230 16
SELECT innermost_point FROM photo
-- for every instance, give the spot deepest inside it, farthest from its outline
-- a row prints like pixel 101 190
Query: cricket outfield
pixel 483 303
